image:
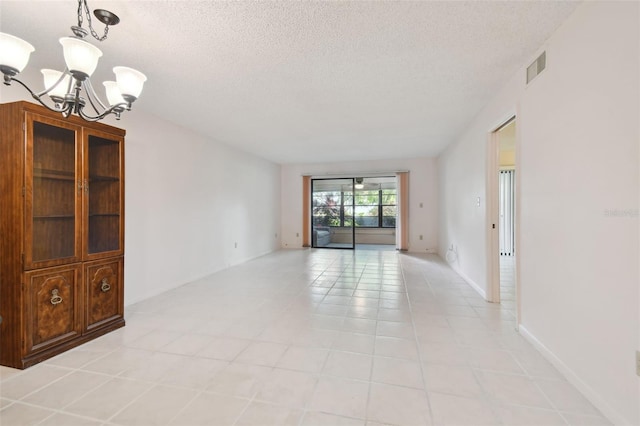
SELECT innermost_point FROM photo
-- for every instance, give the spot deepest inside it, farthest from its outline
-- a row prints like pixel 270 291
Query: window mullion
pixel 341 209
pixel 380 208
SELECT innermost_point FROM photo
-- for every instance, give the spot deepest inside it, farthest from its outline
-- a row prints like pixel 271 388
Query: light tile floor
pixel 304 337
pixel 508 284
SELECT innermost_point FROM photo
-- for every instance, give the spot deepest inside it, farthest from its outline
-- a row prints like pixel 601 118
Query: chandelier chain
pixel 81 19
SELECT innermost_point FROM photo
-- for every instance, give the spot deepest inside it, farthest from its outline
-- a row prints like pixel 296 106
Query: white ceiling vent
pixel 536 67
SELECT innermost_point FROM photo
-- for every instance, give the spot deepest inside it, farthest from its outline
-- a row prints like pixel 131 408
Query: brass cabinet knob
pixel 105 286
pixel 55 297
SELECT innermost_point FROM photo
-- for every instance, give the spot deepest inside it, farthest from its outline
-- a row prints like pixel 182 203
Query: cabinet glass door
pixel 52 193
pixel 104 195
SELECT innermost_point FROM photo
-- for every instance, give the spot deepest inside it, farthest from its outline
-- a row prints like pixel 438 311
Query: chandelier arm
pixel 62 76
pixel 93 96
pixel 114 109
pixel 88 117
pixel 67 107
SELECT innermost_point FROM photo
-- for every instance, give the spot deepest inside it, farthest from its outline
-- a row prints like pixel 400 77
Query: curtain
pixel 306 212
pixel 507 212
pixel 402 222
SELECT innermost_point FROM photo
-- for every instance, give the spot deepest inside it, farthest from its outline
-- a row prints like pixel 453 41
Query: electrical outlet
pixel 638 363
pixel 235 245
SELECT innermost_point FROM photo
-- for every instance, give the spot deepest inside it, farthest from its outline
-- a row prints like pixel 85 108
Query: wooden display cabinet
pixel 62 229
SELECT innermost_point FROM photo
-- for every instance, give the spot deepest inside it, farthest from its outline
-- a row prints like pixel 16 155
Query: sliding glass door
pixel 332 209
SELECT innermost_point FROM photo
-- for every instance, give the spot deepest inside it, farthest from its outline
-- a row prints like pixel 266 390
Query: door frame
pixel 493 214
pixel 353 224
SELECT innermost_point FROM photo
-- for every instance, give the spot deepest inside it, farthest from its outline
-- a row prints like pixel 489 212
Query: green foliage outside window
pixel 368 208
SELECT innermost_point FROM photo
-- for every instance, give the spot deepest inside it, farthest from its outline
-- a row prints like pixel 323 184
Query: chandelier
pixel 70 91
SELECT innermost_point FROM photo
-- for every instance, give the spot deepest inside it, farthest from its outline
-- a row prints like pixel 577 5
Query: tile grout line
pixel 418 350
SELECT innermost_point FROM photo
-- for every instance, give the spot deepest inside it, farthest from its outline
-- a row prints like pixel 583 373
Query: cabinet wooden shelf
pixel 94 178
pixel 62 227
pixel 54 216
pixel 54 174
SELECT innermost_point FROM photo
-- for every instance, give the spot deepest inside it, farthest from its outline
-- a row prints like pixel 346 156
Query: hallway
pixel 508 284
pixel 305 337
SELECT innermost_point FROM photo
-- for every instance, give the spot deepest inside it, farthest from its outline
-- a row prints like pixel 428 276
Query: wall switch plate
pixel 297 234
pixel 421 205
pixel 420 236
pixel 638 363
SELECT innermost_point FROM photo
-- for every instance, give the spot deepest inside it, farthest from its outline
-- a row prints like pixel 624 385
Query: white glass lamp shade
pixel 14 53
pixel 130 82
pixel 114 97
pixel 51 77
pixel 81 57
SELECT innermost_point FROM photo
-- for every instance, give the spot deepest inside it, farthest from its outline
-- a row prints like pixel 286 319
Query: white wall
pixel 423 189
pixel 578 125
pixel 188 200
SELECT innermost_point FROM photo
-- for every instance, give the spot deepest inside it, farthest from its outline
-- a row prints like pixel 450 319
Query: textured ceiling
pixel 308 81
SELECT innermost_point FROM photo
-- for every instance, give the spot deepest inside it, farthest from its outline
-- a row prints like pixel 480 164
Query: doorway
pixel 502 196
pixel 354 213
pixel 332 209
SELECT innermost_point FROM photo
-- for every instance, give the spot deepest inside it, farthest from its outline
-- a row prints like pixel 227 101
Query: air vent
pixel 536 67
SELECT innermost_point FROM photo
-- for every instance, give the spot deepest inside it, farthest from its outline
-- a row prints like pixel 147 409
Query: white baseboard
pixel 573 378
pixel 469 281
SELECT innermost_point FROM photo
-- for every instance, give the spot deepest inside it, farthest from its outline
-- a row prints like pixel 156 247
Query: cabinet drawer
pixel 104 295
pixel 52 306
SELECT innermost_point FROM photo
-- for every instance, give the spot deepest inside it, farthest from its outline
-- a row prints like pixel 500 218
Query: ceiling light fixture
pixel 81 58
pixel 359 184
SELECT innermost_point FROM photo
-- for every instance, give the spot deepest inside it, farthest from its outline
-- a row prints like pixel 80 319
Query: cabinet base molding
pixel 36 358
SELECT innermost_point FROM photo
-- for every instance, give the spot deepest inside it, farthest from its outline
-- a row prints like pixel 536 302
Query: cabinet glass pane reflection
pixel 53 192
pixel 104 195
